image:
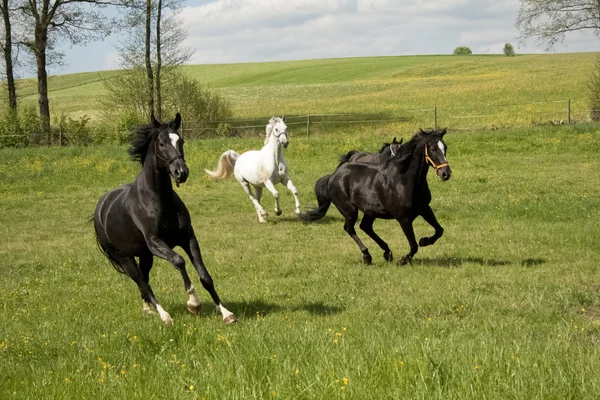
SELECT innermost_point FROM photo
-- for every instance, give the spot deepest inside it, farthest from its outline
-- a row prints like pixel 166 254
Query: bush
pixel 509 50
pixel 20 129
pixel 594 88
pixel 462 51
pixel 72 131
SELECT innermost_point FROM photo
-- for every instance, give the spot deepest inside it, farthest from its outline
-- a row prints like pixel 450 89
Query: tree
pixel 76 21
pixel 153 45
pixel 549 20
pixel 462 50
pixel 6 49
pixel 509 50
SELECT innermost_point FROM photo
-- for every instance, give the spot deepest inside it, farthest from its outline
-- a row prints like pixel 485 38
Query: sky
pixel 233 31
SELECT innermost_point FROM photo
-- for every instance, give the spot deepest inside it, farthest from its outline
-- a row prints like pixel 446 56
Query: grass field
pixel 391 86
pixel 505 305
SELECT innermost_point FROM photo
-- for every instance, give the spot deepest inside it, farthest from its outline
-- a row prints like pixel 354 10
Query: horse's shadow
pixel 258 308
pixel 449 262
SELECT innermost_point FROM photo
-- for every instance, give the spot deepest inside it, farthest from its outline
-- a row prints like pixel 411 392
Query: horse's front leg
pixel 260 211
pixel 407 227
pixel 429 216
pixel 288 183
pixel 192 249
pixel 160 249
pixel 269 185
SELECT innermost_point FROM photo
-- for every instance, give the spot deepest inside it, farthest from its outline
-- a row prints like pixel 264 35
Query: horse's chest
pixel 273 172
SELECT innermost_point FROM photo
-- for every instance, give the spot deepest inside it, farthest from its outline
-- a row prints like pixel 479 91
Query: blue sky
pixel 226 31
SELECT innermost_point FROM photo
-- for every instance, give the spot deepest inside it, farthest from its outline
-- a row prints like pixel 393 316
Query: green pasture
pixel 391 87
pixel 505 305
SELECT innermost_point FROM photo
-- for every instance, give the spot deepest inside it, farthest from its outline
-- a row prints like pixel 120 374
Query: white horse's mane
pixel 272 122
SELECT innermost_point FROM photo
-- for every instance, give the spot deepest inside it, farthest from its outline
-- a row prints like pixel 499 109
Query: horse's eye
pixel 161 144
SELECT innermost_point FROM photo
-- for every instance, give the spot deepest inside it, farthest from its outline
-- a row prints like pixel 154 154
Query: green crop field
pixel 392 86
pixel 505 305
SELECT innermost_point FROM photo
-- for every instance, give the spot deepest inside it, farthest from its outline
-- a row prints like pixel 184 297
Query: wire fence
pixel 491 116
pixel 459 117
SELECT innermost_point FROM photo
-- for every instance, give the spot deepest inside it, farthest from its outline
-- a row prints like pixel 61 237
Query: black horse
pixel 387 150
pixel 397 190
pixel 147 218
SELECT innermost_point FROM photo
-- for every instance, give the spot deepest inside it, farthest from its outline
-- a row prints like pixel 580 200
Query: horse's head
pixel 395 146
pixel 168 147
pixel 278 129
pixel 435 154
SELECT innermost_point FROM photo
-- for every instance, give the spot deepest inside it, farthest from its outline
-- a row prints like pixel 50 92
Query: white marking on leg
pixel 166 318
pixel 174 138
pixel 224 312
pixel 193 300
pixel 147 307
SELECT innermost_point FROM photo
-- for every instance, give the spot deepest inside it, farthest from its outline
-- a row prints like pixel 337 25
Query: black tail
pixel 104 251
pixel 322 193
pixel 346 157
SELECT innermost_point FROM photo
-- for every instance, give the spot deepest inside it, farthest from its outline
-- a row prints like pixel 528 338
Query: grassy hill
pixel 457 85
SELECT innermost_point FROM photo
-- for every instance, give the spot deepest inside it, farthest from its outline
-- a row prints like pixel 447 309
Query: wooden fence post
pixel 435 118
pixel 569 112
pixel 308 126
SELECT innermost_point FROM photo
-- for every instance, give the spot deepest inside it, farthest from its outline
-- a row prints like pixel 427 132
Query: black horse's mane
pixel 405 154
pixel 142 137
pixel 383 147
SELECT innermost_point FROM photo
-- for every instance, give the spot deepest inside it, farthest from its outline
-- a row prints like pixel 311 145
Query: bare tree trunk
pixel 10 79
pixel 159 61
pixel 148 60
pixel 41 40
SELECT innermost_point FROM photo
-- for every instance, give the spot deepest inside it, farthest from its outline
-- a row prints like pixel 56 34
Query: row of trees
pixel 33 29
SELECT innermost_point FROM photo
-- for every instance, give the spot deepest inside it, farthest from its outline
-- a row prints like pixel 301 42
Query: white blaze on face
pixel 174 138
pixel 441 146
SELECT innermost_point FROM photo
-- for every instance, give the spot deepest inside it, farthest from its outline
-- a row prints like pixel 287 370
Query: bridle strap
pixel 179 156
pixel 428 160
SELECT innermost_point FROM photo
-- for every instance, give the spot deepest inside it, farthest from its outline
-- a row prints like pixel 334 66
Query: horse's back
pixel 252 166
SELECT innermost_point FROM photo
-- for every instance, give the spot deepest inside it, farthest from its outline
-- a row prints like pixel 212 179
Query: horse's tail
pixel 225 165
pixel 322 193
pixel 112 261
pixel 344 158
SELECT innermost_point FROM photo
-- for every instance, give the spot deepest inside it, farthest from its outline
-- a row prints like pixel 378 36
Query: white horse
pixel 261 168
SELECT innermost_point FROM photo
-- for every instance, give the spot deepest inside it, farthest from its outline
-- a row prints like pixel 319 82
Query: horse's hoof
pixel 388 256
pixel 404 260
pixel 298 211
pixel 278 212
pixel 424 242
pixel 194 309
pixel 167 320
pixel 230 320
pixel 262 221
pixel 367 259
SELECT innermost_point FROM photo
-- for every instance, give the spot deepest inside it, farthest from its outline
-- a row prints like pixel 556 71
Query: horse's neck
pixel 273 151
pixel 154 180
pixel 416 175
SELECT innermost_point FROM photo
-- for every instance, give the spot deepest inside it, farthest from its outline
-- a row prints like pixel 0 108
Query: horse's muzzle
pixel 179 171
pixel 444 173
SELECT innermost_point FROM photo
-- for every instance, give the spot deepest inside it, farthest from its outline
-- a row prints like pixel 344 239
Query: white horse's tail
pixel 225 165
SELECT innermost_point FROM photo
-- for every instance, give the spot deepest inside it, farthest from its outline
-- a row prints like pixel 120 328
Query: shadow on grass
pixel 326 220
pixel 459 261
pixel 318 308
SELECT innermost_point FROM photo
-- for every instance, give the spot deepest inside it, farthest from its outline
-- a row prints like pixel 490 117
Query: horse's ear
pixel 176 123
pixel 394 141
pixel 443 132
pixel 422 131
pixel 155 122
pixel 283 119
pixel 401 139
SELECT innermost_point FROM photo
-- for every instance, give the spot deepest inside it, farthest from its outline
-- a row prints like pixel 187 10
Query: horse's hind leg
pixel 367 227
pixel 135 273
pixel 288 183
pixel 145 264
pixel 407 227
pixel 269 185
pixel 429 216
pixel 192 249
pixel 349 227
pixel 262 214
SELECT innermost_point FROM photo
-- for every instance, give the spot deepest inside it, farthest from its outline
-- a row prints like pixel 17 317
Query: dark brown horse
pixel 147 218
pixel 398 190
pixel 387 150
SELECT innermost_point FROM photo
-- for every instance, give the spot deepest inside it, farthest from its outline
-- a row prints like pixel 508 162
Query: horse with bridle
pixel 396 190
pixel 146 218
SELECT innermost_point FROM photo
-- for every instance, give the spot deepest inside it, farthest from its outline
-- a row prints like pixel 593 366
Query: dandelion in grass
pixel 191 387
